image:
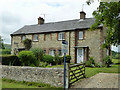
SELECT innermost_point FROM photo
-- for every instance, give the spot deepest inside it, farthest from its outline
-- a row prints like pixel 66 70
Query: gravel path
pixel 101 80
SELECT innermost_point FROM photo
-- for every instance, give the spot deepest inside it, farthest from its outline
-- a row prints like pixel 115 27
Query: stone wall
pixel 52 76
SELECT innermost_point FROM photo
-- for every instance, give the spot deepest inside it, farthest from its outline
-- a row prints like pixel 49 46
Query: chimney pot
pixel 82 15
pixel 40 20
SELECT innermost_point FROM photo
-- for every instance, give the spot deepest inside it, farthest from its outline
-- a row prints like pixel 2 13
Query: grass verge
pixel 8 83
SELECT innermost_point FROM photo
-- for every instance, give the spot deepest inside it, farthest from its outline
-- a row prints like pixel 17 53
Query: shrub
pixel 27 43
pixel 107 61
pixel 10 60
pixel 5 51
pixel 43 64
pixel 67 58
pixel 38 53
pixel 48 59
pixel 90 62
pixel 27 58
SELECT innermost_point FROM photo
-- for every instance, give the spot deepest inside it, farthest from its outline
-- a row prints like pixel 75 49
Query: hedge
pixel 10 60
pixel 5 51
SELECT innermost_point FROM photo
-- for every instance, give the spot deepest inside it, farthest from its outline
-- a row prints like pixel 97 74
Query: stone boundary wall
pixel 52 76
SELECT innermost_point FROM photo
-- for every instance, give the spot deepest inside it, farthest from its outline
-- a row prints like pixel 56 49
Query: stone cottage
pixel 82 43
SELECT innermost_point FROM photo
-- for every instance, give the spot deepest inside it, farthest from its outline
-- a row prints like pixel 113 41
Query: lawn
pixel 7 83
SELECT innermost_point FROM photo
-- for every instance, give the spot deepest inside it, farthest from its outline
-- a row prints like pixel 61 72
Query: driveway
pixel 101 80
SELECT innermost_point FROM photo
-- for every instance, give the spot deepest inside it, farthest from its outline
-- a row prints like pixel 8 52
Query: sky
pixel 14 14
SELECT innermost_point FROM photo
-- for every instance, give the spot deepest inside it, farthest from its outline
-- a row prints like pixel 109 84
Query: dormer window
pixel 80 35
pixel 61 36
pixel 35 37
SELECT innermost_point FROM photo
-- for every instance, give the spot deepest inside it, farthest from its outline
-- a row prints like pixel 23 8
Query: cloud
pixel 17 13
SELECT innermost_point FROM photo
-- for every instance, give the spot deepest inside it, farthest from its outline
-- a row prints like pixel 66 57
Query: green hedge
pixel 10 60
pixel 5 51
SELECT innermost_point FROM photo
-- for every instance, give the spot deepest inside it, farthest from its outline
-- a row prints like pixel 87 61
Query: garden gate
pixel 74 73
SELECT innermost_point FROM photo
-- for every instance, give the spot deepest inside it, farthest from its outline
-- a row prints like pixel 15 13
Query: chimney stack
pixel 82 15
pixel 40 20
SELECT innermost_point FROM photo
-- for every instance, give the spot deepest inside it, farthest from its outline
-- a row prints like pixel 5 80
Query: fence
pixel 74 73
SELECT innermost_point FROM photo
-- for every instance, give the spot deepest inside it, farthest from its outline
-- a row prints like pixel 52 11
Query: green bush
pixel 90 62
pixel 38 53
pixel 5 51
pixel 43 64
pixel 10 60
pixel 67 58
pixel 107 61
pixel 48 59
pixel 27 58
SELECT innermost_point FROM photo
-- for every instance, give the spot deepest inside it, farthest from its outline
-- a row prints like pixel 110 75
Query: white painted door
pixel 79 55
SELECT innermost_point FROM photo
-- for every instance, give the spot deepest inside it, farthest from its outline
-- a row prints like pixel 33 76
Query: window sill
pixel 35 40
pixel 60 39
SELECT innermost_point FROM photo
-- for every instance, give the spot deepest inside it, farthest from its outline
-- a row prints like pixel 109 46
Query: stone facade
pixel 92 39
pixel 52 76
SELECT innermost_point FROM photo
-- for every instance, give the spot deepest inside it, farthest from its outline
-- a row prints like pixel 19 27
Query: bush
pixel 38 53
pixel 107 61
pixel 27 43
pixel 43 64
pixel 48 59
pixel 27 58
pixel 5 51
pixel 90 62
pixel 10 60
pixel 67 58
pixel 58 60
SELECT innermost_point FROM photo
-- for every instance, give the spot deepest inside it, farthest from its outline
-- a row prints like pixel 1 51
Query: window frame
pixel 37 37
pixel 53 51
pixel 22 38
pixel 61 35
pixel 81 38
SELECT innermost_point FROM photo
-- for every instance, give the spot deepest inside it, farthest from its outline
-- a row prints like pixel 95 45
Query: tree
pixel 108 14
pixel 1 43
pixel 27 43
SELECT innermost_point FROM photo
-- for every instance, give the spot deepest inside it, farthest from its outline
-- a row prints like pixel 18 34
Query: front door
pixel 79 55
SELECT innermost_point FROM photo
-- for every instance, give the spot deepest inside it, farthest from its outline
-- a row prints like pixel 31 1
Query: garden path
pixel 100 80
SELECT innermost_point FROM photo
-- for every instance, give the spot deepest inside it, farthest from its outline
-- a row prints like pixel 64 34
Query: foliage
pixel 67 58
pixel 43 64
pixel 107 61
pixel 48 59
pixel 27 43
pixel 38 53
pixel 108 14
pixel 90 62
pixel 10 60
pixel 5 51
pixel 27 58
pixel 117 56
pixel 1 43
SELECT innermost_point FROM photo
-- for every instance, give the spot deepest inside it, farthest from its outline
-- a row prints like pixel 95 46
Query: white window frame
pixel 35 37
pixel 61 36
pixel 52 52
pixel 81 36
pixel 23 38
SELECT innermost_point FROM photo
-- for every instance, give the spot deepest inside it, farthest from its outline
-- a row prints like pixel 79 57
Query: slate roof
pixel 56 26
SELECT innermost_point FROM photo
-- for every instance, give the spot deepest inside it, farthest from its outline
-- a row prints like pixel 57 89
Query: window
pixel 59 52
pixel 23 38
pixel 61 36
pixel 35 37
pixel 52 52
pixel 80 35
pixel 44 51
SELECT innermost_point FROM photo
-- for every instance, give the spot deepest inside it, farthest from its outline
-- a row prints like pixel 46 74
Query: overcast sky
pixel 14 14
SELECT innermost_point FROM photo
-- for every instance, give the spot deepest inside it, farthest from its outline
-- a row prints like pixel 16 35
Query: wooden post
pixel 67 76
